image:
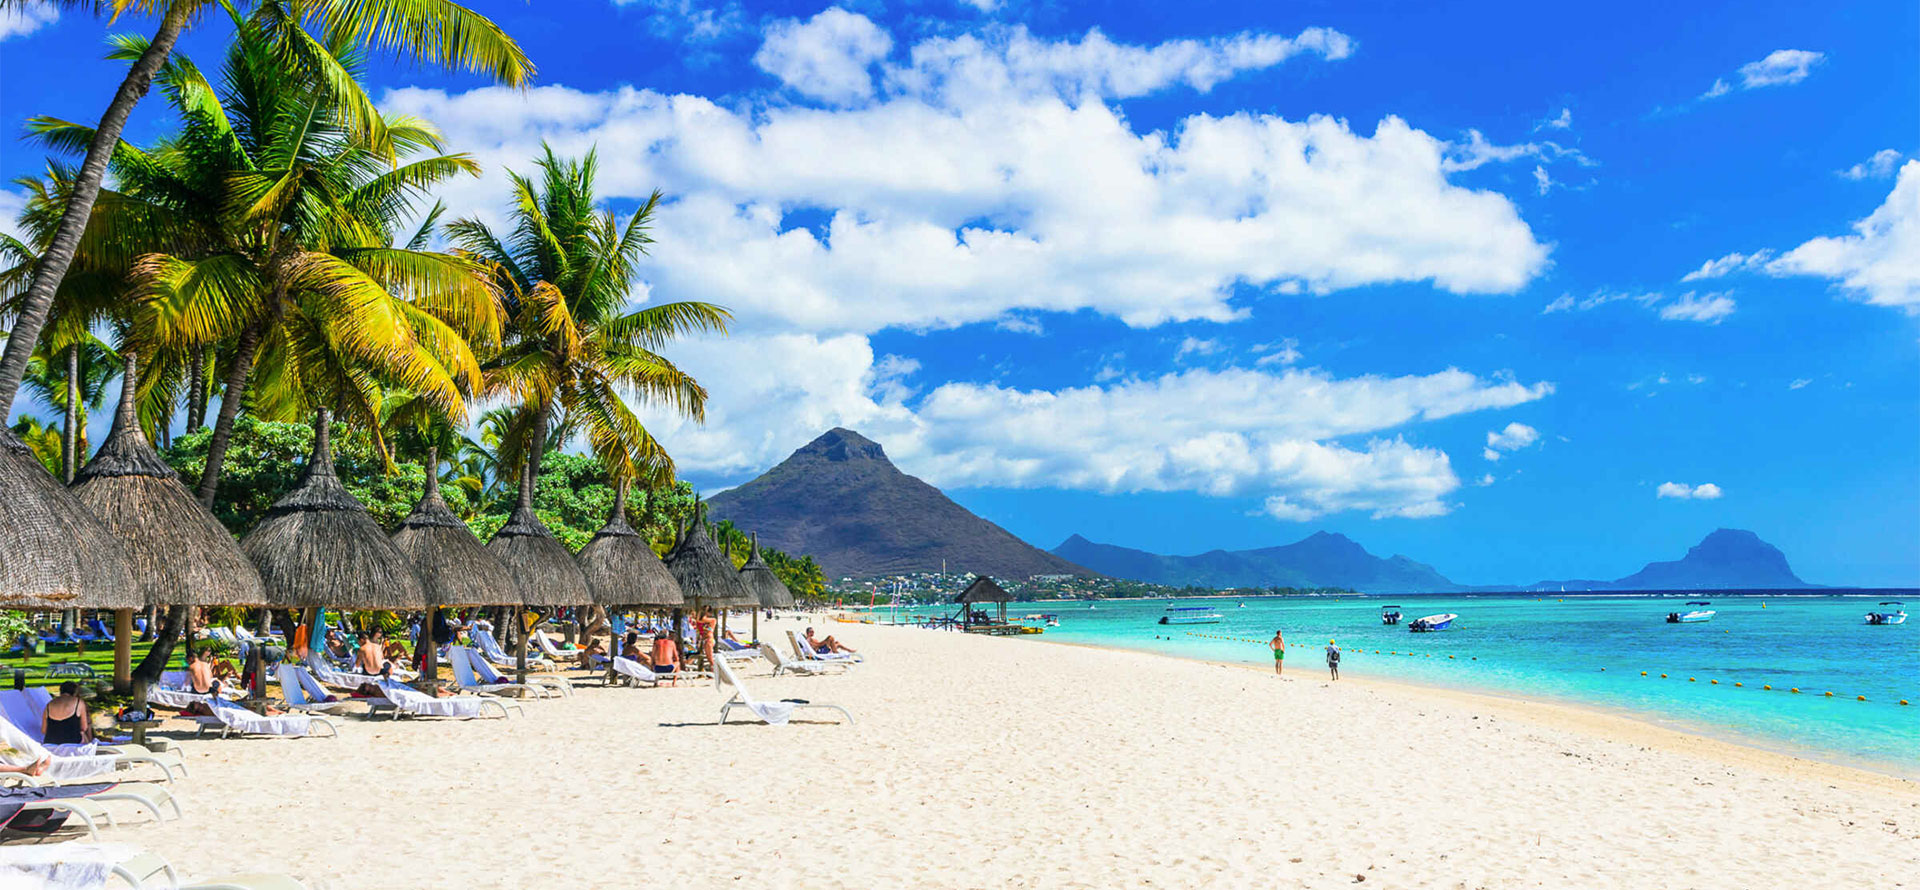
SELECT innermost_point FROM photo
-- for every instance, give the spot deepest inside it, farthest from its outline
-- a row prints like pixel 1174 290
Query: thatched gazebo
pixel 621 569
pixel 454 567
pixel 543 572
pixel 767 588
pixel 180 554
pixel 318 547
pixel 982 590
pixel 707 577
pixel 54 553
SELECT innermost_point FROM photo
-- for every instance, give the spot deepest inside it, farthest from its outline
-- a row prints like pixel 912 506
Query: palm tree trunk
pixel 70 434
pixel 230 398
pixel 52 268
pixel 197 389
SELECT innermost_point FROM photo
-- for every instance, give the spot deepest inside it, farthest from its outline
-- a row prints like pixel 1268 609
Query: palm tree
pixel 273 220
pixel 72 377
pixel 442 31
pixel 573 349
pixel 42 439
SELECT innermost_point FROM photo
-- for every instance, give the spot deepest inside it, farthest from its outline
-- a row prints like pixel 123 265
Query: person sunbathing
pixel 36 768
pixel 65 720
pixel 828 646
pixel 630 649
pixel 337 647
pixel 594 647
pixel 371 658
pixel 666 655
pixel 203 676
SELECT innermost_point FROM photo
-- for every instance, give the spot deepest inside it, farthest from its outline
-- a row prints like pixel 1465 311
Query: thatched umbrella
pixel 984 590
pixel 544 573
pixel 318 547
pixel 454 567
pixel 54 553
pixel 622 570
pixel 180 554
pixel 707 577
pixel 766 586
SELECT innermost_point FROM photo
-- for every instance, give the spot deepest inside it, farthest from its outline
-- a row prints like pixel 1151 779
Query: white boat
pixel 1694 616
pixel 1432 622
pixel 1886 617
pixel 1389 614
pixel 1190 615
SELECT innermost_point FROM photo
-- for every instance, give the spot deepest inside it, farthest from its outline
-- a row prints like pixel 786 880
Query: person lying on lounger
pixel 36 768
pixel 829 645
pixel 594 647
pixel 372 655
pixel 630 649
pixel 204 676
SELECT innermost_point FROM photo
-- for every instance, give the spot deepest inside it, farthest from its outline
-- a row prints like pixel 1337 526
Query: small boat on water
pixel 1694 616
pixel 1190 615
pixel 1885 616
pixel 1432 623
pixel 1389 614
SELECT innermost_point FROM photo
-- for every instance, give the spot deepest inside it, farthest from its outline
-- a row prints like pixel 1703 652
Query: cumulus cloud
pixel 987 178
pixel 692 21
pixel 1705 491
pixel 1214 432
pixel 1562 121
pixel 1780 68
pixel 1196 346
pixel 1880 166
pixel 19 21
pixel 827 57
pixel 1513 438
pixel 1704 308
pixel 1879 263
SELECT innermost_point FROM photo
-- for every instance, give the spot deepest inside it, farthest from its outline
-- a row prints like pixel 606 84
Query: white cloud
pixel 1562 121
pixel 826 57
pixel 1490 454
pixel 19 21
pixel 1705 308
pixel 1562 303
pixel 1729 264
pixel 983 5
pixel 1780 68
pixel 12 204
pixel 692 21
pixel 1705 491
pixel 1799 383
pixel 1196 346
pixel 1880 262
pixel 1880 166
pixel 1282 352
pixel 1485 480
pixel 1478 152
pixel 1513 438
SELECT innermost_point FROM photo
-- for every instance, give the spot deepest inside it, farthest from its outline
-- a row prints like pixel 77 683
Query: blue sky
pixel 1517 291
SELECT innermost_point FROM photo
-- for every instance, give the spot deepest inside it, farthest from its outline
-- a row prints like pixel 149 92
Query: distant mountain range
pixel 1323 559
pixel 1728 559
pixel 842 501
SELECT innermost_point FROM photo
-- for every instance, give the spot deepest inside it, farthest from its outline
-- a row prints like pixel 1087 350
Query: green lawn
pixel 99 656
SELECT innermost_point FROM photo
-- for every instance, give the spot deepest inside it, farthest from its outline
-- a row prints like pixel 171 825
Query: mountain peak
pixel 842 444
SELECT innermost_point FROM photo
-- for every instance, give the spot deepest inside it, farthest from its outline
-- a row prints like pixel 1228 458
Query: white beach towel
pixel 627 667
pixel 232 716
pixel 19 749
pixel 413 701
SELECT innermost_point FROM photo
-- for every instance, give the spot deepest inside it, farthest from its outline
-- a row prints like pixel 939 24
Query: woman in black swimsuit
pixel 74 728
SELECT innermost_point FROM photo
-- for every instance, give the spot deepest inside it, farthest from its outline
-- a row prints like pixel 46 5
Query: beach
pixel 986 762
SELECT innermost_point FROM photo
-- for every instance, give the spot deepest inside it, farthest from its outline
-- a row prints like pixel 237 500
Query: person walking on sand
pixel 1279 646
pixel 1333 660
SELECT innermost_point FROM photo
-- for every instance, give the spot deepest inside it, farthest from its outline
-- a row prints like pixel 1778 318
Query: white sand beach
pixel 981 762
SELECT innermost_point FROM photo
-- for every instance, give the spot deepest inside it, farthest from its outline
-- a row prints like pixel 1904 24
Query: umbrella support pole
pixel 122 650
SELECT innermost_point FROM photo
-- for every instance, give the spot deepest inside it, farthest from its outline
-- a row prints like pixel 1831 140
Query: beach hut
pixel 982 590
pixel 622 571
pixel 317 547
pixel 543 572
pixel 455 569
pixel 54 552
pixel 767 588
pixel 179 553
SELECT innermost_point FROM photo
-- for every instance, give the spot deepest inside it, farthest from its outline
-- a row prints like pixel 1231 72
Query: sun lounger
pixel 467 679
pixel 148 871
pixel 490 647
pixel 85 800
pixel 304 693
pixel 232 718
pixel 634 673
pixel 408 701
pixel 784 665
pixel 20 711
pixel 100 630
pixel 772 713
pixel 488 674
pixel 545 644
pixel 808 653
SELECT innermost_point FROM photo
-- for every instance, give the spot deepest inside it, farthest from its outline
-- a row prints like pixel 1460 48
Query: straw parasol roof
pixel 318 547
pixel 984 590
pixel 759 578
pixel 54 553
pixel 707 577
pixel 180 554
pixel 543 572
pixel 621 569
pixel 454 567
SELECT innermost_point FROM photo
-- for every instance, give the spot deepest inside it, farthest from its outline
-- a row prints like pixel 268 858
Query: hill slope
pixel 1727 559
pixel 1322 559
pixel 841 500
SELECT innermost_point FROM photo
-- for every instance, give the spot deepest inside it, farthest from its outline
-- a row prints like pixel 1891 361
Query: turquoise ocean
pixel 1584 649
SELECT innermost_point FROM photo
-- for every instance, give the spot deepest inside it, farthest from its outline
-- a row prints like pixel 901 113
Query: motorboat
pixel 1190 615
pixel 1885 616
pixel 1389 614
pixel 1694 616
pixel 1432 623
